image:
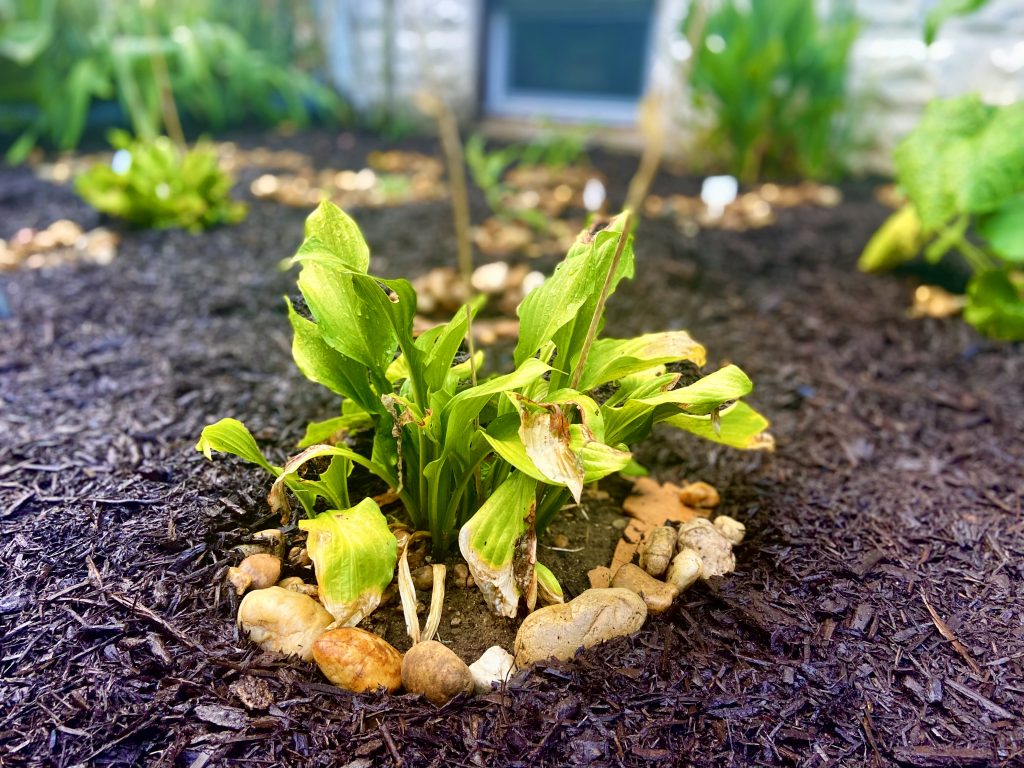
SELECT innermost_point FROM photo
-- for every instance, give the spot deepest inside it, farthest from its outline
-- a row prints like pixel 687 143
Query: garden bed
pixel 888 520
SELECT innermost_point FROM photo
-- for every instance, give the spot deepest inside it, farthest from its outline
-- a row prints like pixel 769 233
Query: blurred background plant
pixel 552 151
pixel 962 171
pixel 227 62
pixel 773 78
pixel 155 183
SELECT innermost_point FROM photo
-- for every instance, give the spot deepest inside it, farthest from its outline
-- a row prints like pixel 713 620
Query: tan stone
pixel 714 549
pixel 357 660
pixel 559 631
pixel 656 594
pixel 283 621
pixel 433 670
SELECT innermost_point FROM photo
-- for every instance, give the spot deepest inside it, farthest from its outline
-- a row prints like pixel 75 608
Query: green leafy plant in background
pixel 486 464
pixel 154 183
pixel 552 149
pixel 773 77
pixel 962 170
pixel 227 63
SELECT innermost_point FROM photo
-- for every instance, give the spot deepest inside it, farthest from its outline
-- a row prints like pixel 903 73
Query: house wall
pixel 382 52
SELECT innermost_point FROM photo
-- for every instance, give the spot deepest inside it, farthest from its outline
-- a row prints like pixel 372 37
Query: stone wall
pixel 381 52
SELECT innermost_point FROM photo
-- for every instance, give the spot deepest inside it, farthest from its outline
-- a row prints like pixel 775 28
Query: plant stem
pixel 975 256
pixel 606 289
pixel 168 108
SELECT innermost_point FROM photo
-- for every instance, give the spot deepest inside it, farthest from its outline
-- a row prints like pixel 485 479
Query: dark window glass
pixel 592 49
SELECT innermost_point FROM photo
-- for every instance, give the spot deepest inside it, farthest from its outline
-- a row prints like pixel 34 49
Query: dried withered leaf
pixel 545 435
pixel 658 503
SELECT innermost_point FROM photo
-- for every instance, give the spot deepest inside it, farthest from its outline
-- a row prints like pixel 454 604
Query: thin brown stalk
pixel 652 119
pixel 451 145
pixel 168 109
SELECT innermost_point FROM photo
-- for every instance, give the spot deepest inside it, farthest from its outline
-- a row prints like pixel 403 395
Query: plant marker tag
pixel 717 192
pixel 593 195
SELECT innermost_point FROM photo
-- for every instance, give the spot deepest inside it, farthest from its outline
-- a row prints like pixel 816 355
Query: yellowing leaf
pixel 488 541
pixel 898 240
pixel 354 553
pixel 612 359
pixel 739 426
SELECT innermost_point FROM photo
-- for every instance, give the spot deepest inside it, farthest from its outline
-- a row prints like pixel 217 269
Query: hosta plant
pixel 155 184
pixel 962 170
pixel 486 464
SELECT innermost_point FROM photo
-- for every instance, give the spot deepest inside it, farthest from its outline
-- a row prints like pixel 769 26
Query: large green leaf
pixel 354 554
pixel 345 311
pixel 575 286
pixel 995 305
pixel 739 426
pixel 231 436
pixel 321 363
pixel 964 157
pixel 488 541
pixel 706 394
pixel 1004 230
pixel 898 240
pixel 612 359
pixel 336 230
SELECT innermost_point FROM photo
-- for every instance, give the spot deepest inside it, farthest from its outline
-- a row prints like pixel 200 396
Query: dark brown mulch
pixel 896 487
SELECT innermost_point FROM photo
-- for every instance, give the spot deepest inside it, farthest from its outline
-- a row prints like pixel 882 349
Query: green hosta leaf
pixel 231 436
pixel 346 313
pixel 612 359
pixel 439 345
pixel 990 169
pixel 289 478
pixel 1004 230
pixel 576 285
pixel 739 426
pixel 321 363
pixel 600 460
pixel 995 305
pixel 923 160
pixel 708 393
pixel 488 541
pixel 340 236
pixel 964 157
pixel 332 430
pixel 629 423
pixel 354 554
pixel 898 240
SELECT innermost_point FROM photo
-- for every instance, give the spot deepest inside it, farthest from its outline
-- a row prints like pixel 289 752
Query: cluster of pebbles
pixel 63 242
pixel 284 616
